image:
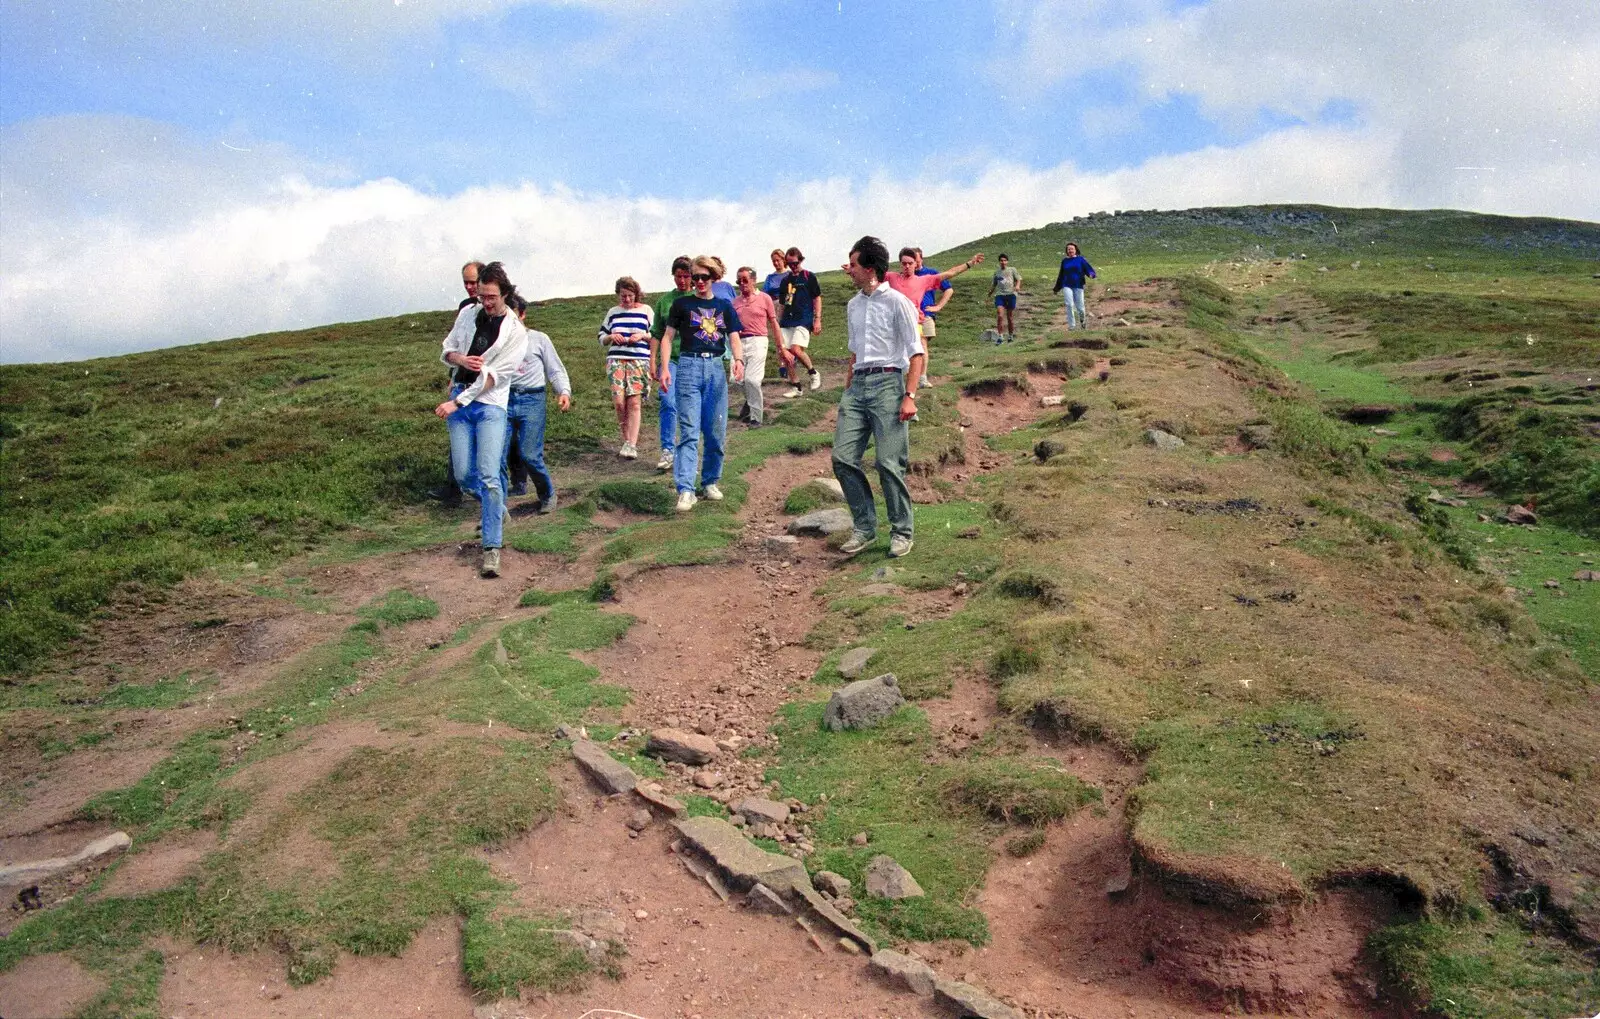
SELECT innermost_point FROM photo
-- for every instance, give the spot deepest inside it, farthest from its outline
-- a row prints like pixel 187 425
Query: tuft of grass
pixel 167 692
pixel 1026 844
pixel 1302 432
pixel 1033 792
pixel 1479 965
pixel 648 497
pixel 534 597
pixel 804 499
pixel 398 608
pixel 504 954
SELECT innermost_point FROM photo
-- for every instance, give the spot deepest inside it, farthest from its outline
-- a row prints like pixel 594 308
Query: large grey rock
pixel 863 704
pixel 854 662
pixel 607 772
pixel 681 746
pixel 1163 440
pixel 758 809
pixel 972 1002
pixel 914 975
pixel 821 522
pixel 765 900
pixel 40 870
pixel 1521 515
pixel 886 879
pixel 743 861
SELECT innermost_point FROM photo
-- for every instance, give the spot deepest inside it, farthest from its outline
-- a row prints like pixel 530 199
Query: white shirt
pixel 500 362
pixel 882 328
pixel 541 366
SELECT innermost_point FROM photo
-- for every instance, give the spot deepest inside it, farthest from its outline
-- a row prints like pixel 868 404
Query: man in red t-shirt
pixel 907 282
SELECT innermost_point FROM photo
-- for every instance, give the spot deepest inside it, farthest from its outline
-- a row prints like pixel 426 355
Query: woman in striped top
pixel 625 334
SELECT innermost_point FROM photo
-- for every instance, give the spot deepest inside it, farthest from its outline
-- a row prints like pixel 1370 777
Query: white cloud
pixel 298 254
pixel 1486 83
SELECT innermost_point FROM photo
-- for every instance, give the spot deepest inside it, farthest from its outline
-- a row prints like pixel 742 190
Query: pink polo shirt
pixel 913 287
pixel 754 313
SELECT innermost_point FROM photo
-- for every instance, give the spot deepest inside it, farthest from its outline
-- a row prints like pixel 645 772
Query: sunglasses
pixel 700 277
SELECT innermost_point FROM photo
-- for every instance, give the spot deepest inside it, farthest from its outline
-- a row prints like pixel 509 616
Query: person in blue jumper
pixel 1075 271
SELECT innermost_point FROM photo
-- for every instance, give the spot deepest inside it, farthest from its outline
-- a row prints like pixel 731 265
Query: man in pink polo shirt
pixel 907 282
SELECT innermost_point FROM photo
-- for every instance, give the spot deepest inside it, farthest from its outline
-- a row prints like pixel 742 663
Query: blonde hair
pixel 711 264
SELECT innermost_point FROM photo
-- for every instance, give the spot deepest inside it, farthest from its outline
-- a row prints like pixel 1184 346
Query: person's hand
pixel 446 408
pixel 664 379
pixel 818 330
pixel 977 259
pixel 738 371
pixel 908 407
pixel 471 364
pixel 564 401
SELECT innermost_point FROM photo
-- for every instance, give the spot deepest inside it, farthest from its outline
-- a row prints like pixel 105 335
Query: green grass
pixel 167 692
pixel 398 608
pixel 1476 965
pixel 1019 791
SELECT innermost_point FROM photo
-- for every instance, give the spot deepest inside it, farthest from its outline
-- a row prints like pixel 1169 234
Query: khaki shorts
pixel 796 336
pixel 930 329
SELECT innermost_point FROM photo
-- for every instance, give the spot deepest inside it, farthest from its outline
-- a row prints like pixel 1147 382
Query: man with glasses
pixel 800 316
pixel 668 414
pixel 450 493
pixel 886 364
pixel 703 327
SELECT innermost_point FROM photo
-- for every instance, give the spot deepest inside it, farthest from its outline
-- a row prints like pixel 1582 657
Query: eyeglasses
pixel 700 277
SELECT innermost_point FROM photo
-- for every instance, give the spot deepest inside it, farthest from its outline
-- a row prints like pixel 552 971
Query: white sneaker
pixel 713 493
pixel 899 545
pixel 858 543
pixel 665 463
pixel 923 383
pixel 686 501
pixel 816 380
pixel 791 394
pixel 628 451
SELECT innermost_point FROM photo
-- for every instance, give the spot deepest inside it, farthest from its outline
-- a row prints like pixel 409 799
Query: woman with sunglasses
pixel 706 327
pixel 486 345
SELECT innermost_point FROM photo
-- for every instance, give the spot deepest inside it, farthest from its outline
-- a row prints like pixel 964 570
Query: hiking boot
pixel 665 463
pixel 491 563
pixel 816 380
pixel 520 488
pixel 899 545
pixel 858 543
pixel 686 501
pixel 547 505
pixel 628 451
pixel 713 493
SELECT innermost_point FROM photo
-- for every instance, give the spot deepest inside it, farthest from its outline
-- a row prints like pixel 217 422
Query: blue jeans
pixel 669 411
pixel 525 420
pixel 1077 318
pixel 478 455
pixel 870 410
pixel 702 389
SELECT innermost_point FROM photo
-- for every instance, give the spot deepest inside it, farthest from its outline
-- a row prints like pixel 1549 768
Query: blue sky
pixel 271 141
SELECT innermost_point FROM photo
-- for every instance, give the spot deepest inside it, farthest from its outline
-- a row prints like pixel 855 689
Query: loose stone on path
pixel 863 704
pixel 609 773
pixel 681 746
pixel 886 879
pixel 821 523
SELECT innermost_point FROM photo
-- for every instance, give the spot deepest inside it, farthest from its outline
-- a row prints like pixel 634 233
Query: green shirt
pixel 663 309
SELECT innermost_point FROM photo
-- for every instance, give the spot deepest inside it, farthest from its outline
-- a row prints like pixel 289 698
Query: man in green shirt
pixel 668 394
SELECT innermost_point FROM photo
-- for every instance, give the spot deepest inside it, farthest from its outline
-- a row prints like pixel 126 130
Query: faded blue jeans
pixel 669 410
pixel 1077 317
pixel 870 410
pixel 525 419
pixel 702 389
pixel 478 455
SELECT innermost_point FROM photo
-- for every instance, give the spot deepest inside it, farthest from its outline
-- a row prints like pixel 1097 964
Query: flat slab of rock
pixel 902 970
pixel 39 870
pixel 821 523
pixel 765 900
pixel 1162 440
pixel 886 879
pixel 854 662
pixel 681 746
pixel 607 772
pixel 780 544
pixel 745 863
pixel 836 919
pixel 657 798
pixel 863 704
pixel 972 1002
pixel 757 809
pixel 834 884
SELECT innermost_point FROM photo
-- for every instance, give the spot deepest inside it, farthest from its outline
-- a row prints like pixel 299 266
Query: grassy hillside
pixel 1330 660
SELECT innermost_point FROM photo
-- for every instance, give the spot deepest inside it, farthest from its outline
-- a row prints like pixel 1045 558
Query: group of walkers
pixel 689 344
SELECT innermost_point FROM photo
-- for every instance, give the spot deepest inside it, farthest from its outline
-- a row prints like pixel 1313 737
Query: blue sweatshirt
pixel 1073 272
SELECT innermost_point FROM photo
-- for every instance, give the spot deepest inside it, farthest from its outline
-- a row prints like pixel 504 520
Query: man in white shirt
pixel 886 363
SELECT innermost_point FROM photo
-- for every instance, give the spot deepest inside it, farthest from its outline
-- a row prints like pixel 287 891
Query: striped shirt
pixel 634 323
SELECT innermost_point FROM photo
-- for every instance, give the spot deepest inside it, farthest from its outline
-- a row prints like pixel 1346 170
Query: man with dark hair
pixel 800 316
pixel 930 306
pixel 886 364
pixel 667 392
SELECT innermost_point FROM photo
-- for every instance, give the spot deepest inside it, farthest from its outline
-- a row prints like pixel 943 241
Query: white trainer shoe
pixel 816 380
pixel 791 394
pixel 857 543
pixel 899 545
pixel 713 493
pixel 686 501
pixel 665 463
pixel 628 451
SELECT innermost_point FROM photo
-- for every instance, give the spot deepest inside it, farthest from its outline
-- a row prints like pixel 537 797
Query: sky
pixel 232 167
